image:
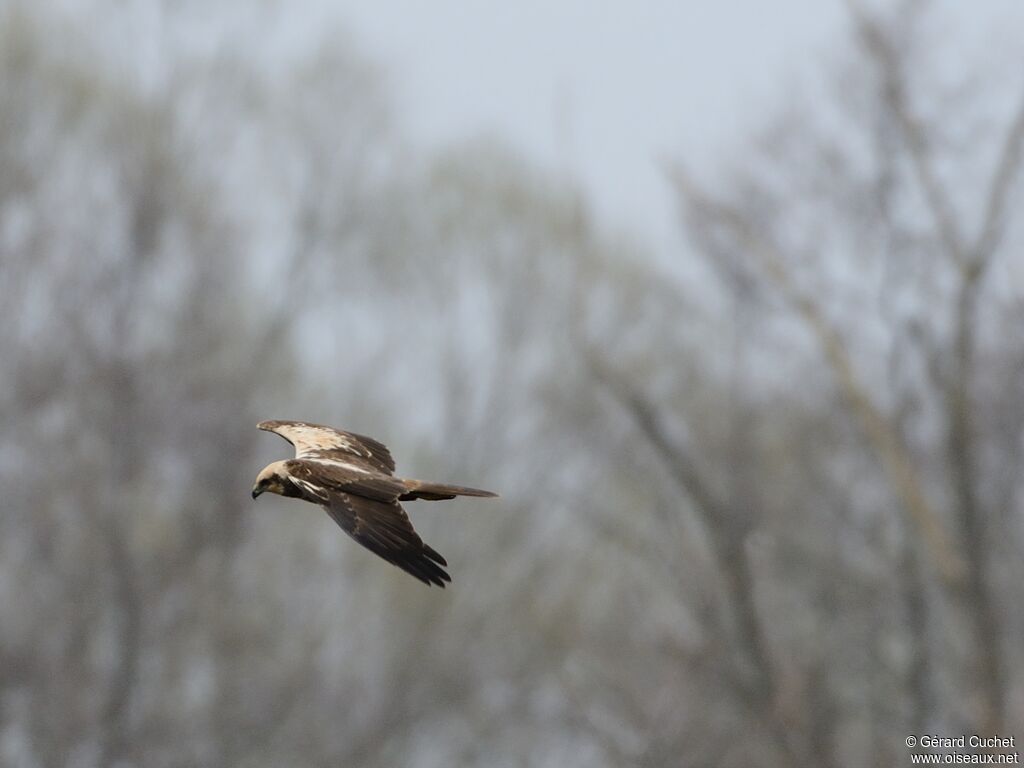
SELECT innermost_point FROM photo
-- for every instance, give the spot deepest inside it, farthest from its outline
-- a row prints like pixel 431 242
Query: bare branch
pixel 757 689
pixel 888 447
pixel 1006 173
pixel 890 66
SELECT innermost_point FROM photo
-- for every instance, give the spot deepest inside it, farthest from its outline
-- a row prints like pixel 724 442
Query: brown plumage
pixel 351 477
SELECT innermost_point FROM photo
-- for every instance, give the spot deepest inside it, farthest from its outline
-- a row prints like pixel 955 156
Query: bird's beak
pixel 256 492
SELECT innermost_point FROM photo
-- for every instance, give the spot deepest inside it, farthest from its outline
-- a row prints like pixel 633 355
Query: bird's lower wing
pixel 384 529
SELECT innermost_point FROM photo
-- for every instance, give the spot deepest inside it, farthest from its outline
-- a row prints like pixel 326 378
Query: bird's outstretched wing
pixel 315 441
pixel 384 529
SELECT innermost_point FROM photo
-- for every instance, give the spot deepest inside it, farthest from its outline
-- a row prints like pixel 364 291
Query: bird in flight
pixel 350 476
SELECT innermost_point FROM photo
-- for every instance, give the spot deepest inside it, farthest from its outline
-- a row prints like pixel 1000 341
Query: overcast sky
pixel 600 90
pixel 603 89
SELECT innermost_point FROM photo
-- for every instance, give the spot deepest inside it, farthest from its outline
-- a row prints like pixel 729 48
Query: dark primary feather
pixel 367 509
pixel 384 529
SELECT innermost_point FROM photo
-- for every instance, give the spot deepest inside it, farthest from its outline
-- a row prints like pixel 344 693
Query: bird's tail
pixel 423 489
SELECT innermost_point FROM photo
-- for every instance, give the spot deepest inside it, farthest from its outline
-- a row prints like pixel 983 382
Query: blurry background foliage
pixel 761 500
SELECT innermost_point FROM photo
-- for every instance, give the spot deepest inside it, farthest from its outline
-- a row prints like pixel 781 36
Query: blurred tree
pixel 138 361
pixel 849 218
pixel 711 548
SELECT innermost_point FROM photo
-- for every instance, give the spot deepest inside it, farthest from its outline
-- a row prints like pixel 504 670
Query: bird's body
pixel 351 477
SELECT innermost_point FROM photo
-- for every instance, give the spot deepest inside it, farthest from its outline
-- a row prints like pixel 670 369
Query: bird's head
pixel 273 478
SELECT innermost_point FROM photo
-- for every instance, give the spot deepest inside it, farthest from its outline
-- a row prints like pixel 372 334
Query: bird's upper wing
pixel 384 529
pixel 315 441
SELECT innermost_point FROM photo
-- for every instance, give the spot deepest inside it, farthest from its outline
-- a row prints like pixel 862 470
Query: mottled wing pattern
pixel 335 476
pixel 384 529
pixel 350 476
pixel 315 441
